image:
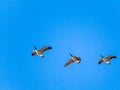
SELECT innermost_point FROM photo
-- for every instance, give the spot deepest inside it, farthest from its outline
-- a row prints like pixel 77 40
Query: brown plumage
pixel 106 59
pixel 73 59
pixel 41 51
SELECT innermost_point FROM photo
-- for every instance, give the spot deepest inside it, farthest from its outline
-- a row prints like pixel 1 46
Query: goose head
pixel 101 56
pixel 34 47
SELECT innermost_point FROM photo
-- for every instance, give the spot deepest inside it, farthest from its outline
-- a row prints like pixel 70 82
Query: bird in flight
pixel 41 51
pixel 106 59
pixel 73 59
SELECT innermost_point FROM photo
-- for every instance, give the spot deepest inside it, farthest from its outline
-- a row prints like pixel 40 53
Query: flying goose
pixel 41 51
pixel 73 59
pixel 106 59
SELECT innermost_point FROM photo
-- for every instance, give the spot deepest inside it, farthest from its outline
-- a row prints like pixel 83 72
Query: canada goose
pixel 41 51
pixel 73 59
pixel 106 59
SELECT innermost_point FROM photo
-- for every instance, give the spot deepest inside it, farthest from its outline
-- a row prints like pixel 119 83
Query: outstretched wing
pixel 44 49
pixel 100 61
pixel 69 62
pixel 110 57
pixel 33 53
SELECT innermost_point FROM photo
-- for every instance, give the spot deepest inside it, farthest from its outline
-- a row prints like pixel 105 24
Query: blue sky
pixel 85 28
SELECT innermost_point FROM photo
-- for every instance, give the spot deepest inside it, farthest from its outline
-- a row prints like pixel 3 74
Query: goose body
pixel 106 59
pixel 41 51
pixel 73 59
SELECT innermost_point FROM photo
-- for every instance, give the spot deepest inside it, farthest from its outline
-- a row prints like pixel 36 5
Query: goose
pixel 41 51
pixel 106 59
pixel 73 59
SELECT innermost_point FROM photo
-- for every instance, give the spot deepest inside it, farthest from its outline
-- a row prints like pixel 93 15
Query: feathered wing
pixel 33 53
pixel 69 62
pixel 100 61
pixel 45 48
pixel 110 57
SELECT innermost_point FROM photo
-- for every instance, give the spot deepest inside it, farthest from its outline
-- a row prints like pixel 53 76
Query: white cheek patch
pixel 72 58
pixel 103 59
pixel 36 51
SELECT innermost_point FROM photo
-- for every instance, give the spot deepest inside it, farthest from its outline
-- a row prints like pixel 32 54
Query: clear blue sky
pixel 86 28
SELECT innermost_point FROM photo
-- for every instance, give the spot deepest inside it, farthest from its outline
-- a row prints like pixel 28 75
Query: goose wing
pixel 44 49
pixel 33 53
pixel 110 57
pixel 100 61
pixel 69 62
